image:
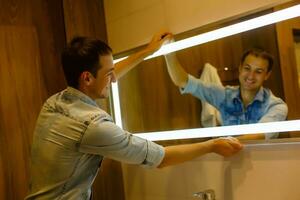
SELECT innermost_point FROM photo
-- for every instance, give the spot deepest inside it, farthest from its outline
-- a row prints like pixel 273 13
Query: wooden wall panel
pixel 86 18
pixel 31 40
pixel 22 94
pixel 288 63
pixel 48 19
pixel 151 102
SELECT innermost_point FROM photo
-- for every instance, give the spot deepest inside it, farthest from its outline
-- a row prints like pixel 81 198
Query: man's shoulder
pixel 75 108
pixel 268 94
pixel 90 113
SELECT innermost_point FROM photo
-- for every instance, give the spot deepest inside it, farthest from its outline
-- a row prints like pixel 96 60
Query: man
pixel 73 134
pixel 247 103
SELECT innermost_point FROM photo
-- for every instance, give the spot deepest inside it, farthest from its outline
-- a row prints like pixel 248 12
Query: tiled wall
pixel 264 172
pixel 131 23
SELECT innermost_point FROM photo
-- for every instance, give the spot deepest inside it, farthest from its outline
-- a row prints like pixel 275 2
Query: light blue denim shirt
pixel 264 108
pixel 71 138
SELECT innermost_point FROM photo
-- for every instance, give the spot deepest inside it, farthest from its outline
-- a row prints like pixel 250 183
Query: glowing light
pixel 247 25
pixel 270 127
pixel 116 104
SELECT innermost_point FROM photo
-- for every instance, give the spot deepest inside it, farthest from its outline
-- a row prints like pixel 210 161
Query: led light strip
pixel 270 127
pixel 264 20
pixel 116 104
pixel 247 25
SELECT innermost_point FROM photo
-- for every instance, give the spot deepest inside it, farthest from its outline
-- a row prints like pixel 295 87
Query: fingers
pixel 227 146
pixel 166 36
pixel 162 36
pixel 234 142
pixel 158 40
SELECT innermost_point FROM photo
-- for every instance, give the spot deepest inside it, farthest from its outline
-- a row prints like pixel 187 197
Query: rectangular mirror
pixel 150 102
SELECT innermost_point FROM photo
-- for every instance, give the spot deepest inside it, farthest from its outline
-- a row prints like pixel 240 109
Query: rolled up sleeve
pixel 277 111
pixel 213 94
pixel 107 139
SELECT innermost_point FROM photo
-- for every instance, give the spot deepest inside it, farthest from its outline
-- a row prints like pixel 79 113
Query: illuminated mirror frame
pixel 270 127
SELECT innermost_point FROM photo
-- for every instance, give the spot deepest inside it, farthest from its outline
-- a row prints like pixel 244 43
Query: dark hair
pixel 82 54
pixel 261 53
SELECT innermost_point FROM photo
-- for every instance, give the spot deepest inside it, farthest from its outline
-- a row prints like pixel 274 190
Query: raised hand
pixel 158 40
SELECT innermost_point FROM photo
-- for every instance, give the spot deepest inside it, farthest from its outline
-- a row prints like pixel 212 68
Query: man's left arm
pixel 124 66
pixel 277 112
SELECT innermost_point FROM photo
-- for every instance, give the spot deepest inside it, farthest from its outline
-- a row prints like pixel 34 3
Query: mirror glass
pixel 151 102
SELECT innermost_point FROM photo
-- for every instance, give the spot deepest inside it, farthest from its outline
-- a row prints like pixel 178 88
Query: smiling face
pixel 253 72
pixel 98 87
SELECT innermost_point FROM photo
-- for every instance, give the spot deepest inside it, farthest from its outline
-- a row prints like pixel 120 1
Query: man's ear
pixel 268 75
pixel 86 78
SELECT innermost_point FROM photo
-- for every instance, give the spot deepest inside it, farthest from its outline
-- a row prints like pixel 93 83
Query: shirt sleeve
pixel 107 139
pixel 211 93
pixel 277 111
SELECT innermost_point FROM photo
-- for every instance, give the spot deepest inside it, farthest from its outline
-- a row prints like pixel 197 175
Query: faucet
pixel 206 195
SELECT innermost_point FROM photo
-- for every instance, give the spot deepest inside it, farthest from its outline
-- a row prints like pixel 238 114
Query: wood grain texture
pixel 31 39
pixel 22 94
pixel 288 62
pixel 84 18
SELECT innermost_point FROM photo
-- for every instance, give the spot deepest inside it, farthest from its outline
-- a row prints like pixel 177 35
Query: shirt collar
pixel 258 97
pixel 74 93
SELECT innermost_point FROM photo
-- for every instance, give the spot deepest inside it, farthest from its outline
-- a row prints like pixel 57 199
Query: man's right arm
pixel 176 71
pixel 181 153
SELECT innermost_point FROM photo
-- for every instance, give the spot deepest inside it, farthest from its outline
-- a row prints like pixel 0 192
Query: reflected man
pixel 73 134
pixel 247 103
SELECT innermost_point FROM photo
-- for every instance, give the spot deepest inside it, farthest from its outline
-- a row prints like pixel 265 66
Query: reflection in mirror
pixel 150 101
pixel 296 34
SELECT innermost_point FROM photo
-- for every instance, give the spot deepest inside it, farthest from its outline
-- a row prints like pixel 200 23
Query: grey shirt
pixel 71 138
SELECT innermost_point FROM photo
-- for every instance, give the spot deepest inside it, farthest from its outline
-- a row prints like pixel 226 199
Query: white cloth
pixel 210 116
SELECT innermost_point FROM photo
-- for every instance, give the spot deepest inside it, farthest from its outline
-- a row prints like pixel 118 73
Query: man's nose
pixel 251 74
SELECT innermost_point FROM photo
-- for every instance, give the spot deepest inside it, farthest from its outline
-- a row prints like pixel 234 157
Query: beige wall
pixel 131 23
pixel 259 172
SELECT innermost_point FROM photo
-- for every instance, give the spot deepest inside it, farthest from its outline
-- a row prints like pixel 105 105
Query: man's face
pixel 105 76
pixel 253 72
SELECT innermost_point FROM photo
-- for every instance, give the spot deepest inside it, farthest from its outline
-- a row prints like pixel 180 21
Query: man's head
pixel 88 66
pixel 255 68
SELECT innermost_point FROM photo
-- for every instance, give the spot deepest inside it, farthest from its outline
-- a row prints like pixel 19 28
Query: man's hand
pixel 158 40
pixel 124 66
pixel 226 146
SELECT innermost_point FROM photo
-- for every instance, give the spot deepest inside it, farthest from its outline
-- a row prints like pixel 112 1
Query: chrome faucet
pixel 206 195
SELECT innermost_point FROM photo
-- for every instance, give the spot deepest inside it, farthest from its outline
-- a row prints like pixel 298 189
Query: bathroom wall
pixel 31 39
pixel 131 23
pixel 269 172
pixel 32 36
